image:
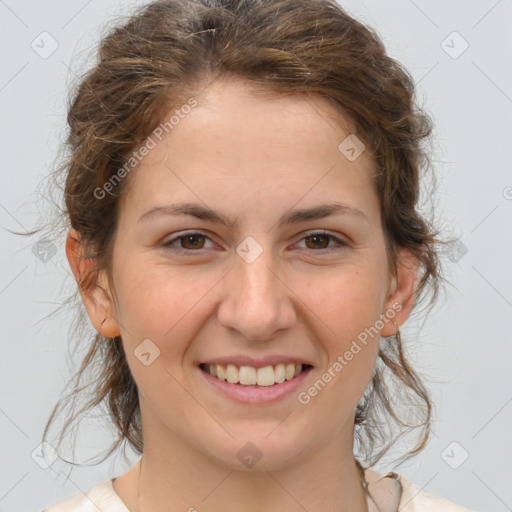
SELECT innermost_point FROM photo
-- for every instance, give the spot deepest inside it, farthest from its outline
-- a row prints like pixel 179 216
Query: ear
pixel 402 291
pixel 95 292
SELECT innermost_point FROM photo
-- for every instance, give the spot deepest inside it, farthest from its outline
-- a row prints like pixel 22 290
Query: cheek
pixel 161 302
pixel 345 305
pixel 346 301
pixel 343 308
pixel 163 305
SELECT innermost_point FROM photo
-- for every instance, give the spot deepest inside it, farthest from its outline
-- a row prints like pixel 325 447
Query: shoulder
pixel 394 492
pixel 415 500
pixel 99 497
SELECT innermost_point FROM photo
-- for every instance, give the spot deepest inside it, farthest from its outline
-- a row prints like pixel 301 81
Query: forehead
pixel 245 108
pixel 237 141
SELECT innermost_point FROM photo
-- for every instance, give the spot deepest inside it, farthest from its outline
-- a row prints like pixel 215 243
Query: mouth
pixel 265 376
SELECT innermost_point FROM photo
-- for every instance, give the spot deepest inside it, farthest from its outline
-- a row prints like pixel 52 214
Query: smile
pixel 251 376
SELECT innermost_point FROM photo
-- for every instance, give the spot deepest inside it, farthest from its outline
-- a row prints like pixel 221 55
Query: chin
pixel 263 449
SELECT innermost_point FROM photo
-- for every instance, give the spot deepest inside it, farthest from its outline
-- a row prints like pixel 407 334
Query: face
pixel 271 279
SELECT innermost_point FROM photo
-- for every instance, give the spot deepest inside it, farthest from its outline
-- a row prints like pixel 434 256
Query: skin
pixel 254 159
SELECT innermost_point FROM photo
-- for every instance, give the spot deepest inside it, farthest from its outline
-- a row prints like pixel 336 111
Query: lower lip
pixel 256 394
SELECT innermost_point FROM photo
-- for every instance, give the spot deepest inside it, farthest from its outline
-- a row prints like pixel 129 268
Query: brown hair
pixel 169 51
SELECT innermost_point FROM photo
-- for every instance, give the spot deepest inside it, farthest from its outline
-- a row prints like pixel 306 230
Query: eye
pixel 319 239
pixel 195 241
pixel 188 242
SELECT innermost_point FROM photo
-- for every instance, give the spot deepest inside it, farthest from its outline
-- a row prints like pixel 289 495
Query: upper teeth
pixel 248 375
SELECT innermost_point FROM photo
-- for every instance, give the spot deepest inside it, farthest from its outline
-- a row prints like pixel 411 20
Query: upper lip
pixel 256 362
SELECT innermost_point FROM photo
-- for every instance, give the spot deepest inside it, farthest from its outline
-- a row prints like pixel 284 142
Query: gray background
pixel 465 346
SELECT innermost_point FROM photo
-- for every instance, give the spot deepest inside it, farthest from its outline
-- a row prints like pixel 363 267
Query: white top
pixel 385 491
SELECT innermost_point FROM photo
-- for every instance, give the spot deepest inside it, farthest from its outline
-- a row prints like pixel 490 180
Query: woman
pixel 241 192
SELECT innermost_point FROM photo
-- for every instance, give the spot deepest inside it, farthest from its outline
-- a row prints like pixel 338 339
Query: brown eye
pixel 319 241
pixel 192 241
pixel 189 242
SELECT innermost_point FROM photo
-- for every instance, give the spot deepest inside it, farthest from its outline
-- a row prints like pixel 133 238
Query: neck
pixel 230 491
pixel 175 476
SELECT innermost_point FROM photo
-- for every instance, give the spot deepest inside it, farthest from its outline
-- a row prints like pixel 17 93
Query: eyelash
pixel 168 245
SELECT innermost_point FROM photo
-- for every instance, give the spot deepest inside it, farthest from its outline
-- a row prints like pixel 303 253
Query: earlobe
pixel 403 288
pixel 93 289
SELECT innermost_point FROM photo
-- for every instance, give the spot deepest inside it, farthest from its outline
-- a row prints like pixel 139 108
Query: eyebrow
pixel 292 217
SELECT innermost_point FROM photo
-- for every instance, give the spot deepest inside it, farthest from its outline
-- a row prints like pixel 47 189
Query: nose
pixel 258 303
